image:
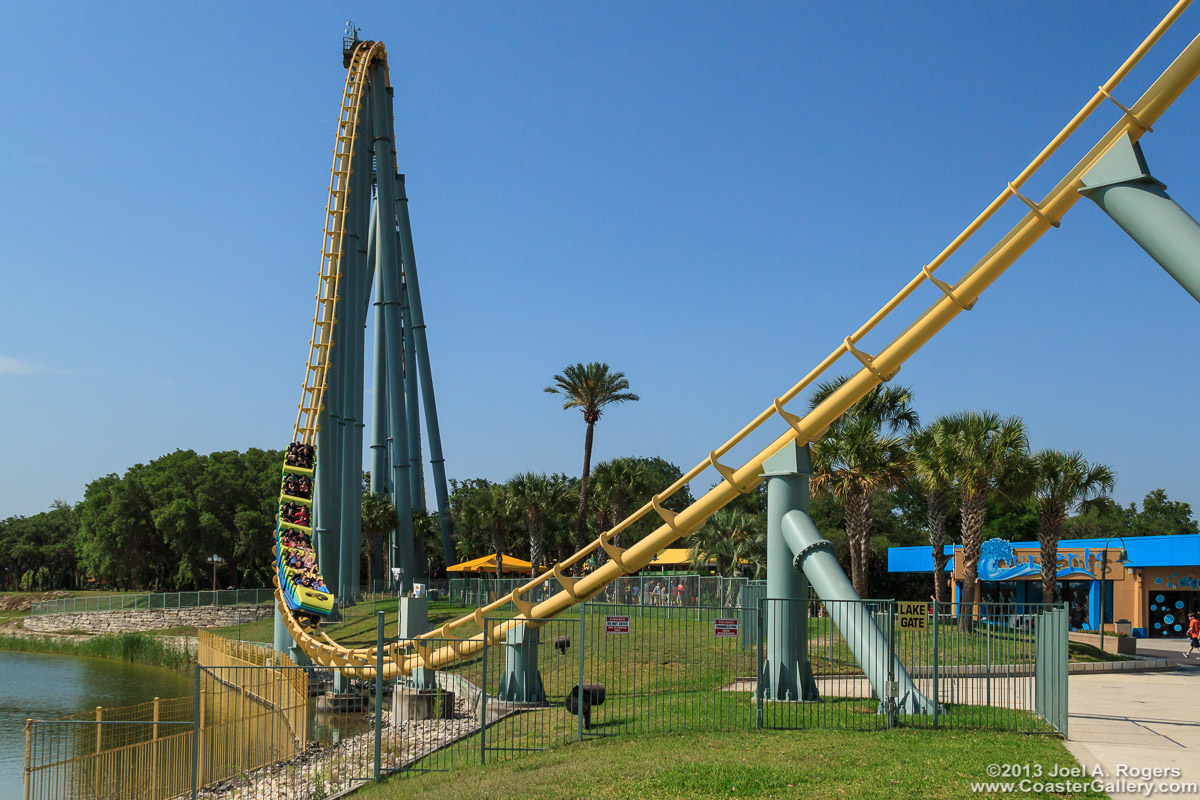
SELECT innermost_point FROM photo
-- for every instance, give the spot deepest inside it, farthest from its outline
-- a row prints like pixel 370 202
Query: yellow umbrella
pixel 488 564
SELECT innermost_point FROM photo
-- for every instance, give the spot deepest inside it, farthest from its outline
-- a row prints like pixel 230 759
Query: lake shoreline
pixel 136 648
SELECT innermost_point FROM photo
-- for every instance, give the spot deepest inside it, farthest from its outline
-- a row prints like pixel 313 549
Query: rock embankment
pixel 326 771
pixel 21 602
pixel 142 619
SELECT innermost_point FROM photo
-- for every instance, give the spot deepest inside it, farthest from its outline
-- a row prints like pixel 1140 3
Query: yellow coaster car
pixel 307 599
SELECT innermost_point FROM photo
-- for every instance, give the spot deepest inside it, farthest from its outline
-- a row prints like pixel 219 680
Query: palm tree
pixel 589 387
pixel 536 495
pixel 931 454
pixel 861 454
pixel 471 537
pixel 378 517
pixel 729 538
pixel 1064 482
pixel 616 483
pixel 495 515
pixel 426 528
pixel 991 454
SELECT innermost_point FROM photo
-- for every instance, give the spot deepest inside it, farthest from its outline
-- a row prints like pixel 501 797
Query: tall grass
pixel 135 647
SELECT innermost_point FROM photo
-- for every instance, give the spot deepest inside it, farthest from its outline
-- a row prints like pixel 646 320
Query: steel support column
pixel 1121 184
pixel 281 639
pixel 786 673
pixel 412 402
pixel 387 260
pixel 348 340
pixel 437 461
pixel 361 202
pixel 326 494
pixel 412 397
pixel 380 459
pixel 522 682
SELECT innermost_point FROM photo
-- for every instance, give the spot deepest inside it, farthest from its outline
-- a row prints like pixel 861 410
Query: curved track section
pixel 294 552
pixel 871 370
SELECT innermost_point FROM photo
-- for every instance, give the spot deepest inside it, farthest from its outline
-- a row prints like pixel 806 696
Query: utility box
pixel 414 617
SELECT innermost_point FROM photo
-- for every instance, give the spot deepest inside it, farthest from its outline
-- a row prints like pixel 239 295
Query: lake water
pixel 37 686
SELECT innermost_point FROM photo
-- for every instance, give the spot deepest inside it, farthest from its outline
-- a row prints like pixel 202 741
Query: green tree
pixel 38 552
pixel 1106 519
pixel 1063 482
pixel 378 519
pixel 157 525
pixel 862 454
pixel 483 512
pixel 590 388
pixel 728 540
pixel 623 485
pixel 933 468
pixel 1161 516
pixel 473 538
pixel 536 496
pixel 427 529
pixel 118 543
pixel 616 485
pixel 991 454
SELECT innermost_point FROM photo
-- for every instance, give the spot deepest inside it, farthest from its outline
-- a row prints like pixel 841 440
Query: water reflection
pixel 49 686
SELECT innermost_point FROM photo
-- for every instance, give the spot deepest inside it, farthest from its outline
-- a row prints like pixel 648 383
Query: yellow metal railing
pixel 276 683
pixel 871 370
pixel 253 712
pixel 130 753
pixel 325 318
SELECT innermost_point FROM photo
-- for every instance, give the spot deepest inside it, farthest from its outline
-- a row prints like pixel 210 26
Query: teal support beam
pixel 281 639
pixel 283 642
pixel 348 340
pixel 793 540
pixel 424 679
pixel 379 406
pixel 412 400
pixel 853 618
pixel 326 492
pixel 1121 184
pixel 412 403
pixel 361 200
pixel 437 461
pixel 785 672
pixel 522 682
pixel 388 262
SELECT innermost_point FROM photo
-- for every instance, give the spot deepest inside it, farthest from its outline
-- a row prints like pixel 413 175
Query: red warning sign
pixel 614 624
pixel 725 627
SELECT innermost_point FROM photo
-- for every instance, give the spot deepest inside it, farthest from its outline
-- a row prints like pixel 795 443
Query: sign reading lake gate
pixel 615 624
pixel 911 616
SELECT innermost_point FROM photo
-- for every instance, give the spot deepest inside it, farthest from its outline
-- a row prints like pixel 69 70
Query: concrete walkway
pixel 1139 719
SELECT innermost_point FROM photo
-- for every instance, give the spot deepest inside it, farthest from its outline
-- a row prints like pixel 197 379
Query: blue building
pixel 1153 582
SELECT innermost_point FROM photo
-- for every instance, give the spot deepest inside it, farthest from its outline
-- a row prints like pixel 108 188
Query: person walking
pixel 1193 634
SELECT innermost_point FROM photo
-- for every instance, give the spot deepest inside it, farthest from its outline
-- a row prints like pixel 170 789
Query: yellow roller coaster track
pixel 957 297
pixel 312 396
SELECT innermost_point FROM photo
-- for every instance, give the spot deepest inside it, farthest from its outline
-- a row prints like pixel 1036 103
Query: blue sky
pixel 708 196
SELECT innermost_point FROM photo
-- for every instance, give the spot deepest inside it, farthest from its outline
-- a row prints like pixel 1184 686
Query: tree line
pixel 154 528
pixel 881 479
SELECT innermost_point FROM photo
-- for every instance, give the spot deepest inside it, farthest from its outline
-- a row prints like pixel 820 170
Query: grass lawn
pixel 764 764
pixel 1081 653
